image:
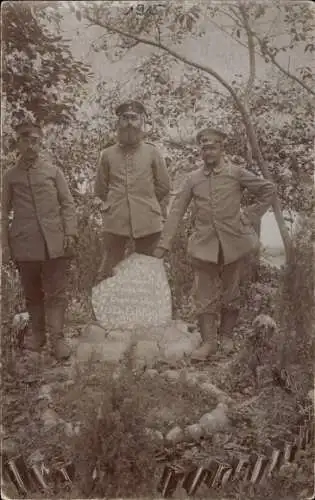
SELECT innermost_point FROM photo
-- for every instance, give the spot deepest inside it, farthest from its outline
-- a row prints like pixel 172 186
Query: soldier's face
pixel 211 149
pixel 29 144
pixel 130 127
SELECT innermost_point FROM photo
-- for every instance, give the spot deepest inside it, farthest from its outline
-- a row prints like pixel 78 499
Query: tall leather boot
pixel 229 319
pixel 208 331
pixel 55 318
pixel 37 319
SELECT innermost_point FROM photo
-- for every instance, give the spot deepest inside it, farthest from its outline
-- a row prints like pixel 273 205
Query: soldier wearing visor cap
pixel 223 235
pixel 132 180
pixel 41 237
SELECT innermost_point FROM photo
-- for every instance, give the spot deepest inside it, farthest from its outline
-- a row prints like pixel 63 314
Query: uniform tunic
pixel 43 211
pixel 132 181
pixel 218 219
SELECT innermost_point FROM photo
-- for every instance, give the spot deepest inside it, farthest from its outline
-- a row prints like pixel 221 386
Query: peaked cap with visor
pixel 211 132
pixel 29 127
pixel 131 107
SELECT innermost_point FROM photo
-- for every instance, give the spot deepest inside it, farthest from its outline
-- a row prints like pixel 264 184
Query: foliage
pixel 116 448
pixel 41 78
pixel 249 22
pixel 296 301
pixel 114 409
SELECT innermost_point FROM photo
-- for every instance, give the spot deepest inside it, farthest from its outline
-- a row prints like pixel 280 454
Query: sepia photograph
pixel 157 249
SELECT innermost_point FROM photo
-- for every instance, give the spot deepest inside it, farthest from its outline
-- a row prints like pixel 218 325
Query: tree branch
pixel 227 14
pixel 264 50
pixel 251 55
pixel 246 117
pixel 272 57
pixel 252 69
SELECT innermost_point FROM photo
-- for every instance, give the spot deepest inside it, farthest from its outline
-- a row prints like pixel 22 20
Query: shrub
pixel 295 304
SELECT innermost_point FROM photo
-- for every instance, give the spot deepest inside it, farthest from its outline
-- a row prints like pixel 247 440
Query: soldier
pixel 41 238
pixel 132 180
pixel 223 235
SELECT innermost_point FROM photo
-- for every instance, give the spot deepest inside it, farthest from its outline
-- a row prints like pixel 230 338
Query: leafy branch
pixel 245 115
pixel 267 53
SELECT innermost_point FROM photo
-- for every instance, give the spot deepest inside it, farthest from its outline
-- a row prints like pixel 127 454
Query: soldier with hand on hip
pixel 133 182
pixel 223 235
pixel 41 238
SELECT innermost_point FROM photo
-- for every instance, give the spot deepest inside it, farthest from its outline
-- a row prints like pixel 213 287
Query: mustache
pixel 130 127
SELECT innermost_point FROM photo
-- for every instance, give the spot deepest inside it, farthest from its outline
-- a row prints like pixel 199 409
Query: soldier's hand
pixel 69 244
pixel 159 252
pixel 6 256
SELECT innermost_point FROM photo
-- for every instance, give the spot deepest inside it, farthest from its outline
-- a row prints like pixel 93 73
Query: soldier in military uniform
pixel 223 235
pixel 41 238
pixel 132 180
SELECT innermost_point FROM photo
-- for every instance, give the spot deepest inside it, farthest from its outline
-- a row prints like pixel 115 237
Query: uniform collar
pixel 33 165
pixel 216 170
pixel 129 146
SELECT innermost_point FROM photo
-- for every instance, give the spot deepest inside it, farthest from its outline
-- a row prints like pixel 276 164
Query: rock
pixel 145 354
pixel 288 470
pixel 183 346
pixel 180 493
pixel 36 457
pixel 216 420
pixel 191 327
pixel 20 321
pixel 175 435
pixel 180 326
pixel 221 396
pixel 151 372
pixel 121 336
pixel 172 375
pixel 154 434
pixel 160 417
pixel 9 447
pixel 69 429
pixel 189 378
pixel 50 418
pixel 45 392
pixel 94 333
pixel 116 374
pixel 77 428
pixel 138 294
pixel 107 352
pixel 310 395
pixel 194 432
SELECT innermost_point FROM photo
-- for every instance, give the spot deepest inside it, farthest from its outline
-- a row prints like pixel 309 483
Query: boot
pixel 55 315
pixel 37 317
pixel 208 331
pixel 229 319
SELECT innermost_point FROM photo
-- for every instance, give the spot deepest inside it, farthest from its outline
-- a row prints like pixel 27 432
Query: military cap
pixel 28 127
pixel 130 106
pixel 209 131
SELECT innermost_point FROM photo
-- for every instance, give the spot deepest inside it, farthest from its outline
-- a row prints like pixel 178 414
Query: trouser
pixel 44 284
pixel 216 286
pixel 115 248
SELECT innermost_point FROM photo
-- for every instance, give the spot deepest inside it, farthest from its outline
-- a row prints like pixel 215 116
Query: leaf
pixel 310 47
pixel 189 23
pixel 71 7
pixel 238 33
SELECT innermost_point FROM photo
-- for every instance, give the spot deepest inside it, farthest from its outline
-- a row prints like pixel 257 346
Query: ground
pixel 118 419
